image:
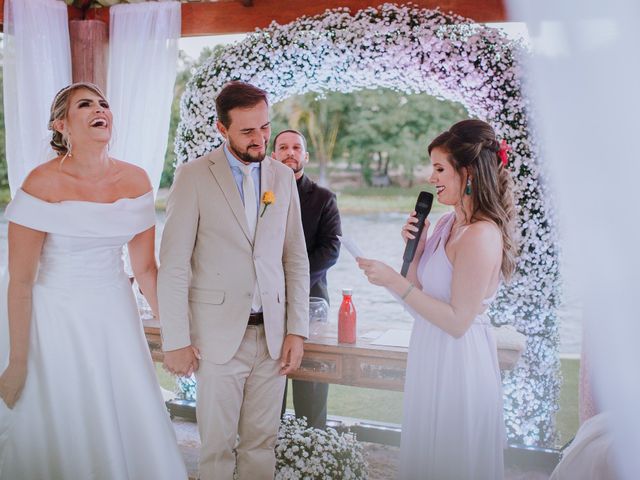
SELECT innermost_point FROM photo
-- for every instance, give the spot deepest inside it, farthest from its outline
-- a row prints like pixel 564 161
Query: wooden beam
pixel 224 17
pixel 73 12
pixel 217 18
pixel 89 51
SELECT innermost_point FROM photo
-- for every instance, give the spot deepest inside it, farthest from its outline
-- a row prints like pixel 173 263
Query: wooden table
pixel 359 365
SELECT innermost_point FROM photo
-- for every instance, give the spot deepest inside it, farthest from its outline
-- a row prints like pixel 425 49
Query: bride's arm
pixel 25 245
pixel 142 247
pixel 144 266
pixel 477 254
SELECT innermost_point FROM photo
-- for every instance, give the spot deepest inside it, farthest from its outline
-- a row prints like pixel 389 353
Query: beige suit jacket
pixel 209 266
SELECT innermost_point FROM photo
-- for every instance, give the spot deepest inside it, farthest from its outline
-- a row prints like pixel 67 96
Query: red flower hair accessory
pixel 502 153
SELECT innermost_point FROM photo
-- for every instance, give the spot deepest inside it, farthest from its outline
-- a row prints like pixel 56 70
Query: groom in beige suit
pixel 233 287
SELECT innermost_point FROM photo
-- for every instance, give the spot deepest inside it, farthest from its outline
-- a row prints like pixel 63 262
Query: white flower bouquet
pixel 313 454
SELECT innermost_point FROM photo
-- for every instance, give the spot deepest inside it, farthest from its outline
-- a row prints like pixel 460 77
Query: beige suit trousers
pixel 243 395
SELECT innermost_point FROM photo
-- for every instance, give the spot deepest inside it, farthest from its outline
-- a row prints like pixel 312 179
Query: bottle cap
pixel 347 291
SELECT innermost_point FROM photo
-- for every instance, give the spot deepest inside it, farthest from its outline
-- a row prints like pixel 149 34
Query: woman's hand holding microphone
pixel 408 232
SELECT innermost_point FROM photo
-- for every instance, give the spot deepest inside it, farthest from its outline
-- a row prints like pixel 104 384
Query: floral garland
pixel 415 50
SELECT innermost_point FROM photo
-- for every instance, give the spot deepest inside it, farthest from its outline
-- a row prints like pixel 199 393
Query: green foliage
pixel 170 157
pixel 391 129
pixel 5 196
pixel 320 121
pixel 376 129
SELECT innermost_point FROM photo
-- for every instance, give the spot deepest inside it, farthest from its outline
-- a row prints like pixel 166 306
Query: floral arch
pixel 416 50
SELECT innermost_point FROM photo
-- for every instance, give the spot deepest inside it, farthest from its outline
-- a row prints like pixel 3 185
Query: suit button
pixel 249 295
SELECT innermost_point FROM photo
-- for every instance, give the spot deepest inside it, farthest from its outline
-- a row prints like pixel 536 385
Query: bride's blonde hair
pixel 60 109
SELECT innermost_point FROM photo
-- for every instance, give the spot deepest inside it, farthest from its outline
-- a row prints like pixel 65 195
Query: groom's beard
pixel 245 155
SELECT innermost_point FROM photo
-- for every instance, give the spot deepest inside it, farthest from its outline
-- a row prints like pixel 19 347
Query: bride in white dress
pixel 79 395
pixel 452 424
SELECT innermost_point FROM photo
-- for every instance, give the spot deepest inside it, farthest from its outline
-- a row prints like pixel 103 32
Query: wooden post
pixel 89 51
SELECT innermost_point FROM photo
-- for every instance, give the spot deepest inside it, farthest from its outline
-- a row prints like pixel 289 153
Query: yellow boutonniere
pixel 267 199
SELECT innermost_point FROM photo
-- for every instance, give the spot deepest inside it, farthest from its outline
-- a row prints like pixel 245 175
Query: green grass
pixel 386 406
pixel 388 199
pixel 567 419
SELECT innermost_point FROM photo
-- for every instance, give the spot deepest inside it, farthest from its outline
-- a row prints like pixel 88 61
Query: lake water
pixel 378 236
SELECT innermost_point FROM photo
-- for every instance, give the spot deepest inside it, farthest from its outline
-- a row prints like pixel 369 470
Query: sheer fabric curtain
pixel 36 63
pixel 584 79
pixel 143 55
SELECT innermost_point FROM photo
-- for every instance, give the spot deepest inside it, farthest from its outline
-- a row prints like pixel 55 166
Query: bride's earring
pixel 467 189
pixel 67 143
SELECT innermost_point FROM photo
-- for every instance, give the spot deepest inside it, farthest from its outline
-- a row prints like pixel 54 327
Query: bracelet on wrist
pixel 407 291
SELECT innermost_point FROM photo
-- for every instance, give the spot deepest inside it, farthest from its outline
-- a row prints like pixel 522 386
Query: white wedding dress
pixel 91 407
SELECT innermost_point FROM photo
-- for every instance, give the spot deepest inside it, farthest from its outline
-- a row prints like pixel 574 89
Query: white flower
pixel 302 456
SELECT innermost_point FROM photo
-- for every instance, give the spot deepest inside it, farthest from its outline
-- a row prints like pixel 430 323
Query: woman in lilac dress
pixel 453 426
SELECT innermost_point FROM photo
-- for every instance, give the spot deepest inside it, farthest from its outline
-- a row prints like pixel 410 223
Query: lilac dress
pixel 452 425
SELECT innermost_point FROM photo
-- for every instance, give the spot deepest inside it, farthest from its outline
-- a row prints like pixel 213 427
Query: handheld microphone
pixel 423 207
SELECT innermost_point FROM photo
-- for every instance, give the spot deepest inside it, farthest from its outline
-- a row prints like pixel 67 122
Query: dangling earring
pixel 467 189
pixel 67 143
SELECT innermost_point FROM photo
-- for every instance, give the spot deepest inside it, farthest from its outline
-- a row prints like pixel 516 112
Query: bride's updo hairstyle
pixel 60 109
pixel 474 152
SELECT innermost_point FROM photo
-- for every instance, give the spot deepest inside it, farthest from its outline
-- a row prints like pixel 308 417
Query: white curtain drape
pixel 586 98
pixel 143 56
pixel 36 63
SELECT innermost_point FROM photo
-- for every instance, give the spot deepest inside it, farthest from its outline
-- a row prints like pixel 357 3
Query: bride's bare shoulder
pixel 135 180
pixel 43 181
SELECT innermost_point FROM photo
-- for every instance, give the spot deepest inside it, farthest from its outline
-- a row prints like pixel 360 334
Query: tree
pixel 380 127
pixel 394 129
pixel 320 120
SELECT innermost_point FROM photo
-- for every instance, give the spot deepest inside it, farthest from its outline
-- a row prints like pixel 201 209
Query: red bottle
pixel 347 318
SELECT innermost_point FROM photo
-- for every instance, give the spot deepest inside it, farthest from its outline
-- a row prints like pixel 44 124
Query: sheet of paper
pixel 351 247
pixel 393 338
pixel 371 335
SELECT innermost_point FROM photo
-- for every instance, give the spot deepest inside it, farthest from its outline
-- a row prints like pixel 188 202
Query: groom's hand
pixel 183 361
pixel 292 352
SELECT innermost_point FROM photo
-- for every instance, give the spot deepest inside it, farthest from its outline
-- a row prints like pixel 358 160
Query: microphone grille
pixel 425 200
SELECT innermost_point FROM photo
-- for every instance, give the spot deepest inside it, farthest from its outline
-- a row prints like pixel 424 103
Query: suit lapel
pixel 266 184
pixel 221 171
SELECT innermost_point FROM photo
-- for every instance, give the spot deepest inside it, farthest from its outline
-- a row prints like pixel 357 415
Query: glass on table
pixel 318 314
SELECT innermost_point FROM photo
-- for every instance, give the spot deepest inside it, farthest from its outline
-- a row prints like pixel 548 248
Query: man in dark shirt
pixel 321 224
